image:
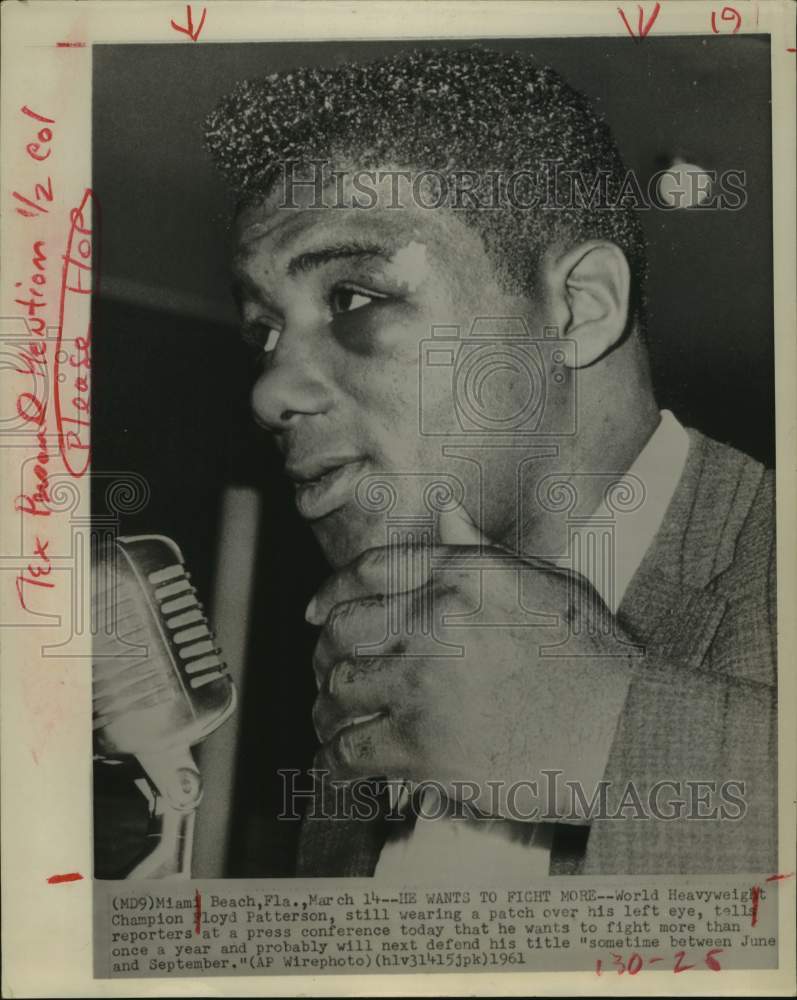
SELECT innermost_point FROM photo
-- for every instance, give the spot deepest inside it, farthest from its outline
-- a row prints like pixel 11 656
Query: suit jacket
pixel 702 705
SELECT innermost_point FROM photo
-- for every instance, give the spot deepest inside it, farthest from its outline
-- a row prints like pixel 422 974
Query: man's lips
pixel 325 486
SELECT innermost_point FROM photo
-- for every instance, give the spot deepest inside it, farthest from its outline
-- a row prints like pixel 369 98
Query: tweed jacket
pixel 702 704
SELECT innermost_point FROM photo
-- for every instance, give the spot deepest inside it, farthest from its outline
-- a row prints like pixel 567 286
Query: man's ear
pixel 588 288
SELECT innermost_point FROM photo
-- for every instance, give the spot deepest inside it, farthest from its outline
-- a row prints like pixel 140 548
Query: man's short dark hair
pixel 468 109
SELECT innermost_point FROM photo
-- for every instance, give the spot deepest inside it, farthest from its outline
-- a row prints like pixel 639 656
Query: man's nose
pixel 291 386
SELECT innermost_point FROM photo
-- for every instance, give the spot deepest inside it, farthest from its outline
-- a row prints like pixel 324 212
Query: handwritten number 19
pixel 726 14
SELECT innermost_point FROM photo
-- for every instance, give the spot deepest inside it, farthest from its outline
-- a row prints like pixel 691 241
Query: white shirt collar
pixel 609 546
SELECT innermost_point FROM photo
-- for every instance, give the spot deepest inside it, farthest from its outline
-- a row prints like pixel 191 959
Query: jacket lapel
pixel 670 604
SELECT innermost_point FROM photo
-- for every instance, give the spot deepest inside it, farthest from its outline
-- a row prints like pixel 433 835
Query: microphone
pixel 159 684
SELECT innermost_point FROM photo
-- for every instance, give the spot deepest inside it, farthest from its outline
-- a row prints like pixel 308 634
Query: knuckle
pixel 330 706
pixel 353 749
pixel 358 745
pixel 333 636
pixel 338 617
pixel 343 673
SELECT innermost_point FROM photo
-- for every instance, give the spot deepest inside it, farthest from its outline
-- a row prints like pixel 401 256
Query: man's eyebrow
pixel 338 251
pixel 243 287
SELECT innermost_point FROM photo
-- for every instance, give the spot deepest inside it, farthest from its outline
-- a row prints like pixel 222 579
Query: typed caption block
pixel 619 926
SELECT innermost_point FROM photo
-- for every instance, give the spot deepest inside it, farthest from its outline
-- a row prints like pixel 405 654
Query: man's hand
pixel 490 668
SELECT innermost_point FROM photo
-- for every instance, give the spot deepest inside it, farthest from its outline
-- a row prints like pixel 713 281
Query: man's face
pixel 340 300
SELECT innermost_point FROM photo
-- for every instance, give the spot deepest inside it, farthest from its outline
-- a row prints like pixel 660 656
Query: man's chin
pixel 343 537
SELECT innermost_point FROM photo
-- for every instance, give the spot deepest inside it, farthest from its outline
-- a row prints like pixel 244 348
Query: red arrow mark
pixel 192 33
pixel 643 27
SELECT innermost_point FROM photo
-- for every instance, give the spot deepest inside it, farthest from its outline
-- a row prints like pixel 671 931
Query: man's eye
pixel 261 337
pixel 343 300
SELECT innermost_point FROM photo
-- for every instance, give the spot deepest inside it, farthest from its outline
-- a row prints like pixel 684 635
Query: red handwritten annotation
pixel 72 415
pixel 58 372
pixel 32 298
pixel 756 894
pixel 726 14
pixel 189 29
pixel 643 26
pixel 68 877
pixel 197 911
pixel 755 897
pixel 636 963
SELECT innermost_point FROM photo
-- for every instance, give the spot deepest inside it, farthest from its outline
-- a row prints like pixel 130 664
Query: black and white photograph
pixel 469 401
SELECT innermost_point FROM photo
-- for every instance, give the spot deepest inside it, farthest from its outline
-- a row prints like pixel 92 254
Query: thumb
pixel 457 527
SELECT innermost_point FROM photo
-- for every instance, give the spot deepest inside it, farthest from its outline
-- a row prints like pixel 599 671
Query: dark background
pixel 171 381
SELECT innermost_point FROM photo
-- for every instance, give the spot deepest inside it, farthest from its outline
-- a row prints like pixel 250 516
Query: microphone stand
pixel 177 786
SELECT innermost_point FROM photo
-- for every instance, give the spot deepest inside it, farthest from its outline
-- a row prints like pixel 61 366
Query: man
pixel 581 648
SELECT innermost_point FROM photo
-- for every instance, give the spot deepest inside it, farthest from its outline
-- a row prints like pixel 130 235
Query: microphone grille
pixel 159 680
